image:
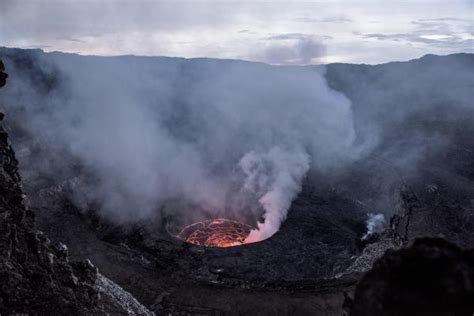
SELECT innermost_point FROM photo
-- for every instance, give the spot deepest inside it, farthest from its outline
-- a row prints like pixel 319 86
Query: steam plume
pixel 276 194
pixel 375 224
pixel 155 130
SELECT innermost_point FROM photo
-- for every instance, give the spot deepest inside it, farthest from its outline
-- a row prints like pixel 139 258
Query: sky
pixel 275 32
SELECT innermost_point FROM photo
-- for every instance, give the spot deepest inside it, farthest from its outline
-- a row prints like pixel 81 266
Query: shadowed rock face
pixel 36 276
pixel 432 277
pixel 3 75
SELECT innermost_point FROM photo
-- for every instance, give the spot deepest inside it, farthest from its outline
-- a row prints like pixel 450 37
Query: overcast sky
pixel 277 32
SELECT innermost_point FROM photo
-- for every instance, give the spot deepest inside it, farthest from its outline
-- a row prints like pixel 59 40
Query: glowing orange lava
pixel 218 232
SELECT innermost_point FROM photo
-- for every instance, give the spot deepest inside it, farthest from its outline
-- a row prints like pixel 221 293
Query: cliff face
pixel 432 277
pixel 3 75
pixel 36 276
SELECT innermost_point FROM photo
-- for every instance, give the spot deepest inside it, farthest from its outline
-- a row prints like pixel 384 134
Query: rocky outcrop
pixel 441 207
pixel 3 75
pixel 36 276
pixel 432 277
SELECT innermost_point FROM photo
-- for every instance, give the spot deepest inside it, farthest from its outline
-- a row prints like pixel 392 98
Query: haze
pixel 276 32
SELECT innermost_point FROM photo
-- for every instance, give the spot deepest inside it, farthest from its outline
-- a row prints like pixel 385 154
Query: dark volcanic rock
pixel 3 75
pixel 442 206
pixel 36 276
pixel 432 277
pixel 316 258
pixel 169 276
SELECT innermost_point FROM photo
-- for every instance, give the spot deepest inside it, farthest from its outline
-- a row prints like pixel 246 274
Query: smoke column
pixel 155 130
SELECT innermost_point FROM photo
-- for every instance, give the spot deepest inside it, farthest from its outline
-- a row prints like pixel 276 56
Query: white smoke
pixel 277 186
pixel 157 130
pixel 375 224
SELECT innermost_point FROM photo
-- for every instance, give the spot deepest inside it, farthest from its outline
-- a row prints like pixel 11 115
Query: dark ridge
pixel 432 277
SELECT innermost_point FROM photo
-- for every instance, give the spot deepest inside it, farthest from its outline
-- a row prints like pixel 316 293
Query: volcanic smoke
pixel 230 136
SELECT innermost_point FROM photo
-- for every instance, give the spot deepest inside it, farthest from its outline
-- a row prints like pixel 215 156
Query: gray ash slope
pixel 420 174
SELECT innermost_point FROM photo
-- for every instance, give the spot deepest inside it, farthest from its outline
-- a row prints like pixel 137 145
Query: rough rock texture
pixel 3 75
pixel 373 251
pixel 312 264
pixel 170 276
pixel 432 277
pixel 442 207
pixel 36 276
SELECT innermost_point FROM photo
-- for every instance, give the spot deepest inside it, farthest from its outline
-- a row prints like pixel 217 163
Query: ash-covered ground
pixel 419 173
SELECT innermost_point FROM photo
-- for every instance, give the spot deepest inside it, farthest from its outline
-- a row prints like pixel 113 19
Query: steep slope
pixel 432 277
pixel 36 276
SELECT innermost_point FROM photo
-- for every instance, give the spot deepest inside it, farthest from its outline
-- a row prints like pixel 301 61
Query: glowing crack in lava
pixel 217 232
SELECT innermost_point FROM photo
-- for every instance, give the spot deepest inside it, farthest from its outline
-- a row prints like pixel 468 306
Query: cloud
pixel 246 32
pixel 329 19
pixel 295 36
pixel 292 49
pixel 445 19
pixel 441 40
pixel 71 39
pixel 446 32
pixel 443 25
pixel 287 36
pixel 89 16
pixel 226 29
